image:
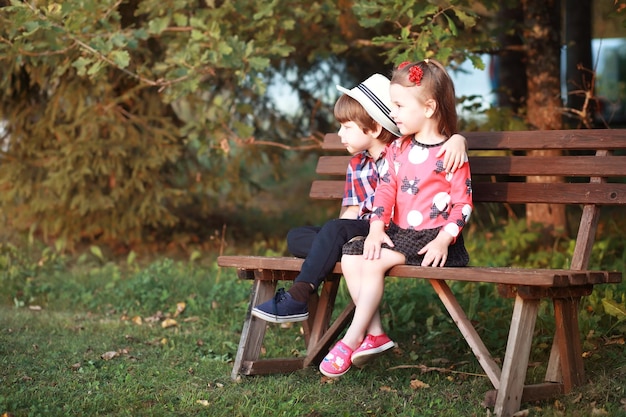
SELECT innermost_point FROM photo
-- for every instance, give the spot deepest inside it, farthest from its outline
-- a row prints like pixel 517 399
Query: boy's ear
pixel 430 108
pixel 377 130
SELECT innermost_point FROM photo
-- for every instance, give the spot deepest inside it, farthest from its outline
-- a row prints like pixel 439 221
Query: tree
pixel 128 120
pixel 543 64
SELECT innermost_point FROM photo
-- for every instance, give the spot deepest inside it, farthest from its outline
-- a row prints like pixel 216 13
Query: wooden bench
pixel 591 161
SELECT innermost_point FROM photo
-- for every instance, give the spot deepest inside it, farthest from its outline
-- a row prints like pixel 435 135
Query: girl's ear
pixel 430 107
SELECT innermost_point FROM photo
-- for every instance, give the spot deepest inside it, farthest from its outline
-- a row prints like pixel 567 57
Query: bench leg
pixel 321 315
pixel 516 358
pixel 470 335
pixel 566 355
pixel 253 331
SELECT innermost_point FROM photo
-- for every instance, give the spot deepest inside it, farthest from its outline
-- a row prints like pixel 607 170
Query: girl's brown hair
pixel 348 109
pixel 437 85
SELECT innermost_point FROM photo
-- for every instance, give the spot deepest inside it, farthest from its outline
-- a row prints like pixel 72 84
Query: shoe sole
pixel 272 318
pixel 328 374
pixel 361 358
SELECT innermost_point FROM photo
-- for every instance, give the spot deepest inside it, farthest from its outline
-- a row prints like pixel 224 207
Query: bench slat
pixel 514 192
pixel 527 140
pixel 501 275
pixel 571 166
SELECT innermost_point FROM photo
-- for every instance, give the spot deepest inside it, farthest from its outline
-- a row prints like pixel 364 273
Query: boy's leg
pixel 324 253
pixel 300 240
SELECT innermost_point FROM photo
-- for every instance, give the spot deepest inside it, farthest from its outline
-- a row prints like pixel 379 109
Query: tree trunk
pixel 508 65
pixel 579 65
pixel 542 34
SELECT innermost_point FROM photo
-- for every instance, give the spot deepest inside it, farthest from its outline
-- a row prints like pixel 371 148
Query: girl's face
pixel 354 139
pixel 407 110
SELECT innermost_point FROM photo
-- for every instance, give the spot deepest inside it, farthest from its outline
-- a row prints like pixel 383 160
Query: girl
pixel 419 209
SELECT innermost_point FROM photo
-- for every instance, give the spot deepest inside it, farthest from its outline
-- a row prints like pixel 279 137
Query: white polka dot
pixel 414 218
pixel 441 201
pixel 418 155
pixel 452 228
pixel 467 212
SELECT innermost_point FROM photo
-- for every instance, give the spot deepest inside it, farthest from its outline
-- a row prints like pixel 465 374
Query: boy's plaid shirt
pixel 361 182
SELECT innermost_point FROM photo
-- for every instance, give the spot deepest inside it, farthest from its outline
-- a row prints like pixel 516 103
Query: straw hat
pixel 373 95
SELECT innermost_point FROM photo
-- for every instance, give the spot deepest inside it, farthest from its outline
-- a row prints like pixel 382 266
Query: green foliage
pixel 426 30
pixel 143 115
pixel 144 122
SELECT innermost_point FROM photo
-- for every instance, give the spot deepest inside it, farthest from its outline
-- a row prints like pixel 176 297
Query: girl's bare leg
pixel 365 280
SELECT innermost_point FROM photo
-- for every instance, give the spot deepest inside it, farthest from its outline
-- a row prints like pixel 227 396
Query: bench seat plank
pixel 501 275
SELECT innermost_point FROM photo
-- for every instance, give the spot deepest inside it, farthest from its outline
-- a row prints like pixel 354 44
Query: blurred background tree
pixel 153 123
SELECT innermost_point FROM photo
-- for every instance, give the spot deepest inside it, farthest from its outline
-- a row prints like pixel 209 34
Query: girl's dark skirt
pixel 409 242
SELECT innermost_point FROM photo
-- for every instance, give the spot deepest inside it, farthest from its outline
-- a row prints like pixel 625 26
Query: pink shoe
pixel 337 362
pixel 371 347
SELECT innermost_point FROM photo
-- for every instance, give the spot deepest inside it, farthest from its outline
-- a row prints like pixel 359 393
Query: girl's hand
pixel 454 153
pixel 373 244
pixel 436 251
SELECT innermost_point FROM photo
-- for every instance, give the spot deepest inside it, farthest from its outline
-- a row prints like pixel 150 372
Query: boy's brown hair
pixel 348 109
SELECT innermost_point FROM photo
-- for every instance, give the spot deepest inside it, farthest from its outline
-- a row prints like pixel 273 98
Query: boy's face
pixel 354 139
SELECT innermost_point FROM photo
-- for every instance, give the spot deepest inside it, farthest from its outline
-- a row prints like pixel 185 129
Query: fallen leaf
pixel 616 340
pixel 191 319
pixel 385 388
pixel 522 413
pixel 203 402
pixel 417 384
pixel 180 308
pixel 76 366
pixel 137 320
pixel 599 412
pixel 559 405
pixel 34 308
pixel 109 355
pixel 168 323
pixel 326 380
pixel 577 399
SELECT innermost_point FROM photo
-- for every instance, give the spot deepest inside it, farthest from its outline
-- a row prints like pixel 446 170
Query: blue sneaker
pixel 282 309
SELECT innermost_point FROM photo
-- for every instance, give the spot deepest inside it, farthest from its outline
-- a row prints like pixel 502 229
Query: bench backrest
pixel 591 166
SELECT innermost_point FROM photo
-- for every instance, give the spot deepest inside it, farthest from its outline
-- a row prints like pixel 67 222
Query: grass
pixel 85 337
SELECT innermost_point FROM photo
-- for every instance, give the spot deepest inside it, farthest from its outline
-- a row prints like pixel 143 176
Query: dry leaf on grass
pixel 137 320
pixel 168 323
pixel 417 384
pixel 614 340
pixel 327 380
pixel 522 413
pixel 598 411
pixel 203 402
pixel 385 388
pixel 107 356
pixel 180 308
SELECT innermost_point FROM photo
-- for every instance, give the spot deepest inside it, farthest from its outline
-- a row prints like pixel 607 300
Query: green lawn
pixel 86 338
